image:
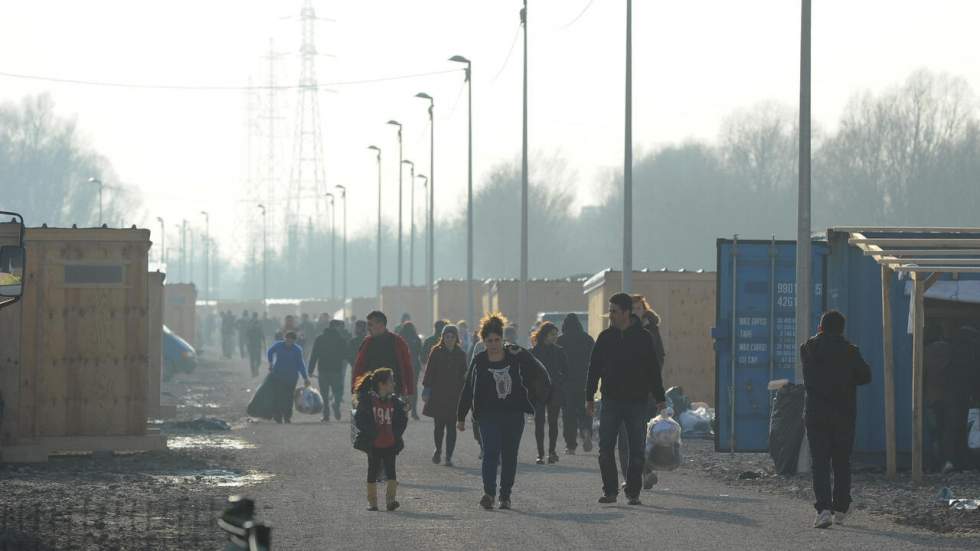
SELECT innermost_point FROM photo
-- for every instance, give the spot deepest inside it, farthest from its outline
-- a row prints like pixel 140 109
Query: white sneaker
pixel 824 519
pixel 839 517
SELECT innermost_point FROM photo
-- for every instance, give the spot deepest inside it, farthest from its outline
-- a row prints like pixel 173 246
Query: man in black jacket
pixel 578 348
pixel 330 354
pixel 832 370
pixel 625 361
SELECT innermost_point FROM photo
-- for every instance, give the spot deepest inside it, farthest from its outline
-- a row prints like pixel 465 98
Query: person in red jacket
pixel 382 348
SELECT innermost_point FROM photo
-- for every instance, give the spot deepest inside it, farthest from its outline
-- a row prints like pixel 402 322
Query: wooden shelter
pixel 543 295
pixel 180 310
pixel 81 336
pixel 412 300
pixel 924 255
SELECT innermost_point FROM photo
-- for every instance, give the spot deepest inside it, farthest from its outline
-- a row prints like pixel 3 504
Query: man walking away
pixel 578 349
pixel 255 342
pixel 382 348
pixel 832 370
pixel 330 353
pixel 241 328
pixel 625 361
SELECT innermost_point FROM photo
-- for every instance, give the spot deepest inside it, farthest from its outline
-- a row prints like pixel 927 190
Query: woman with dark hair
pixel 578 349
pixel 501 386
pixel 379 422
pixel 408 332
pixel 442 382
pixel 553 358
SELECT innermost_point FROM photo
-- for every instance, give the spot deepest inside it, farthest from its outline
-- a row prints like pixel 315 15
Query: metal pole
pixel 522 290
pixel 804 285
pixel 207 256
pixel 183 252
pixel 430 264
pixel 628 159
pixel 378 288
pixel 333 246
pixel 163 243
pixel 343 278
pixel 399 207
pixel 470 309
pixel 265 262
pixel 411 240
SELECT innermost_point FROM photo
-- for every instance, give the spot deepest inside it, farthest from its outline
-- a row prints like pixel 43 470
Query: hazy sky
pixel 695 62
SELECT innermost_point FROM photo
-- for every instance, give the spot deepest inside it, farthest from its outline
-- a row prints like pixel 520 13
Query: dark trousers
pixel 378 458
pixel 574 420
pixel 831 439
pixel 549 410
pixel 332 383
pixel 501 434
pixel 255 360
pixel 447 427
pixel 284 398
pixel 632 415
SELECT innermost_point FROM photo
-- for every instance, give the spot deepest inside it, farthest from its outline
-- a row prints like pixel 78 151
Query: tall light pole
pixel 333 245
pixel 428 228
pixel 411 223
pixel 183 252
pixel 163 242
pixel 470 310
pixel 399 125
pixel 265 262
pixel 343 277
pixel 522 289
pixel 430 259
pixel 98 182
pixel 207 255
pixel 628 159
pixel 378 150
pixel 804 286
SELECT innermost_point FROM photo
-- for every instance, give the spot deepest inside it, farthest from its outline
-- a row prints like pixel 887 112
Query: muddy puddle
pixel 208 441
pixel 219 478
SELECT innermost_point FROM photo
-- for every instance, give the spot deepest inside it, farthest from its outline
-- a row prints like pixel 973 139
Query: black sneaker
pixel 504 503
pixel 635 500
pixel 486 502
pixel 393 505
pixel 587 444
pixel 539 460
pixel 449 461
pixel 607 499
pixel 569 451
pixel 552 458
pixel 436 457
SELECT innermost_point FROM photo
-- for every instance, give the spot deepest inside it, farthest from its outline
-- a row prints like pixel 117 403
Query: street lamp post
pixel 207 255
pixel 183 252
pixel 522 291
pixel 399 125
pixel 378 150
pixel 470 310
pixel 163 242
pixel 343 277
pixel 628 159
pixel 98 182
pixel 430 259
pixel 411 223
pixel 333 245
pixel 428 228
pixel 265 263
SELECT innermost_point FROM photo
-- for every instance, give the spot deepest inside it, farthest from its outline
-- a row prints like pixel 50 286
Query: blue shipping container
pixel 755 333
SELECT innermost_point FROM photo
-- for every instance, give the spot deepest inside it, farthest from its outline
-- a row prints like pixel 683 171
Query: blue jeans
pixel 632 415
pixel 501 434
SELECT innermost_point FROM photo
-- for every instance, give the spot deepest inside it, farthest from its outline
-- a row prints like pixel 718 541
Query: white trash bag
pixel 308 400
pixel 663 447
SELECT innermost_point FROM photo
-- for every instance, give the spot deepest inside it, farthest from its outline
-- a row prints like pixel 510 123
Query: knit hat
pixel 450 329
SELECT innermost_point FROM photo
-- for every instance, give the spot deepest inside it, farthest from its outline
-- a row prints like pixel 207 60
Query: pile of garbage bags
pixel 696 418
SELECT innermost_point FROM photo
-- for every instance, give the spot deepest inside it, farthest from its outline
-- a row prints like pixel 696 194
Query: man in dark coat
pixel 255 343
pixel 832 370
pixel 385 349
pixel 330 354
pixel 578 349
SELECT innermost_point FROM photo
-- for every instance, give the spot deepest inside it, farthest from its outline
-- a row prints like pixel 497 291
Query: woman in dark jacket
pixel 578 347
pixel 501 385
pixel 442 382
pixel 379 423
pixel 408 332
pixel 553 358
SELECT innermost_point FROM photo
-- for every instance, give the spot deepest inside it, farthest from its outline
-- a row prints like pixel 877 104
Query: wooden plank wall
pixel 154 344
pixel 10 364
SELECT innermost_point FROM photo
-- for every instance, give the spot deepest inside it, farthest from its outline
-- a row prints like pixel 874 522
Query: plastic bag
pixel 677 401
pixel 786 428
pixel 308 400
pixel 973 430
pixel 696 423
pixel 663 447
pixel 263 403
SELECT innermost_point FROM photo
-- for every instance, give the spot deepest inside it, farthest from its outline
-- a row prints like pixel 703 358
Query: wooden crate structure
pixel 155 407
pixel 84 352
pixel 180 310
pixel 450 300
pixel 415 300
pixel 543 295
pixel 685 302
pixel 10 365
pixel 360 307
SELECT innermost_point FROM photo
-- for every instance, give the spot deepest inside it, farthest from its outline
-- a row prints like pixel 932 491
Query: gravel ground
pixel 308 482
pixel 900 500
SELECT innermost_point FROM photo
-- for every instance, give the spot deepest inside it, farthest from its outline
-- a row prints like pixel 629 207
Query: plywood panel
pixel 154 343
pixel 10 364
